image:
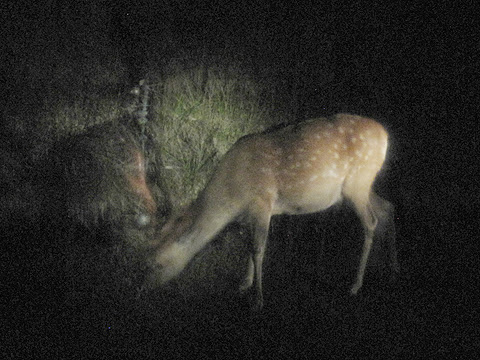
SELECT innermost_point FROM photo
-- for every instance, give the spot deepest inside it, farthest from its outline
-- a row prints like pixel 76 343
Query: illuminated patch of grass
pixel 201 112
pixel 197 111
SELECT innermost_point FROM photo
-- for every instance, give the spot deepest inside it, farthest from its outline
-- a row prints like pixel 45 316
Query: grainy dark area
pixel 73 290
pixel 428 311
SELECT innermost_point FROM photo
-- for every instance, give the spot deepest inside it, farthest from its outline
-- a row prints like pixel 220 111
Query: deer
pixel 103 170
pixel 295 169
pixel 135 175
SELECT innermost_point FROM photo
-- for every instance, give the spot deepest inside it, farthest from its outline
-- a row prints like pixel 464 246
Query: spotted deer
pixel 101 173
pixel 297 169
pixel 135 174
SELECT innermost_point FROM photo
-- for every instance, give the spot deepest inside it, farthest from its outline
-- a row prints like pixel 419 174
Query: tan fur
pixel 297 169
pixel 136 179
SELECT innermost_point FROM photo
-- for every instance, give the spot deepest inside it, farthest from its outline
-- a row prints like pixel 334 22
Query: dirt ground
pixel 428 311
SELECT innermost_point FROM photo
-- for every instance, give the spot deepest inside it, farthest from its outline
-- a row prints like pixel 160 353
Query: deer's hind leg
pixel 385 231
pixel 369 222
pixel 357 190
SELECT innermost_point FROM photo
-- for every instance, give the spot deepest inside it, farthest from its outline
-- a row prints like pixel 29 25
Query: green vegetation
pixel 200 112
pixel 64 143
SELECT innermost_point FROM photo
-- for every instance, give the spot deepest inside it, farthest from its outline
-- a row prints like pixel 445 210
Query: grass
pixel 202 111
pixel 71 163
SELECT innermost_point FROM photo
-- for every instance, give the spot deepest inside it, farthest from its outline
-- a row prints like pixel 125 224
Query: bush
pixel 201 110
pixel 196 113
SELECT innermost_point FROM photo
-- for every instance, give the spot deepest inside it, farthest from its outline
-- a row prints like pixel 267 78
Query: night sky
pixel 414 67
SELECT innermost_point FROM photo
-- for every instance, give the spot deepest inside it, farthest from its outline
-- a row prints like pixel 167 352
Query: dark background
pixel 414 67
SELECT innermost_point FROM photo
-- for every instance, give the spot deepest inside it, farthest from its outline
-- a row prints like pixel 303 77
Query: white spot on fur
pixel 143 220
pixel 330 173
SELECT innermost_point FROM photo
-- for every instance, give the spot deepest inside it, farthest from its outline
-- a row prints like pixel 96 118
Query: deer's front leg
pixel 248 280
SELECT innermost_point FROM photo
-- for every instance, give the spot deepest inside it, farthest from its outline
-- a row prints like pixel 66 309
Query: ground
pixel 427 312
